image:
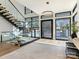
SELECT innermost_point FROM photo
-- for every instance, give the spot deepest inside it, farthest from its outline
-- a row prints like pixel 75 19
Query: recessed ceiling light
pixel 47 2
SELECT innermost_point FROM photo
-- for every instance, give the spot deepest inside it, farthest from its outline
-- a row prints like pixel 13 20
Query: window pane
pixel 46 16
pixel 63 14
pixel 61 32
pixel 28 23
pixel 35 22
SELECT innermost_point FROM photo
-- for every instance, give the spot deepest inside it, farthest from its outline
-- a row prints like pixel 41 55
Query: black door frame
pixel 51 28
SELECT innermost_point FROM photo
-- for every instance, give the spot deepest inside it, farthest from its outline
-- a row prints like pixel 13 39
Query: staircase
pixel 9 17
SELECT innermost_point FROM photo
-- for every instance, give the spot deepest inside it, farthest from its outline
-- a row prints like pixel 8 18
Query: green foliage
pixel 67 26
pixel 74 27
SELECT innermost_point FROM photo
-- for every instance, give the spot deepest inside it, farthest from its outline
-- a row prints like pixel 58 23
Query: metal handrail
pixel 17 9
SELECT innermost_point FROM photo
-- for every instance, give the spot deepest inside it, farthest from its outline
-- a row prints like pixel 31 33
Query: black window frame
pixel 63 13
pixel 60 19
pixel 74 8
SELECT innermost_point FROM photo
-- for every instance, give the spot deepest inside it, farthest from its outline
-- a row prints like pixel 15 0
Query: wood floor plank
pixel 37 50
pixel 41 49
pixel 6 48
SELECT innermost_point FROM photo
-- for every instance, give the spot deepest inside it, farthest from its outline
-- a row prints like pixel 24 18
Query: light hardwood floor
pixel 41 49
pixel 6 48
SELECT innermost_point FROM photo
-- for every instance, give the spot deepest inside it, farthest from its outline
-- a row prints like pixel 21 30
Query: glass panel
pixel 28 27
pixel 32 24
pixel 46 29
pixel 28 11
pixel 7 36
pixel 28 23
pixel 37 33
pixel 46 16
pixel 63 14
pixel 32 33
pixel 61 32
pixel 35 22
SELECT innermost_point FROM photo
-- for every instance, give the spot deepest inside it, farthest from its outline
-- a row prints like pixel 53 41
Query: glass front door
pixel 61 32
pixel 46 28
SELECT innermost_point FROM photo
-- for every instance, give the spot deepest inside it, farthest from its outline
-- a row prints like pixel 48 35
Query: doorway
pixel 47 29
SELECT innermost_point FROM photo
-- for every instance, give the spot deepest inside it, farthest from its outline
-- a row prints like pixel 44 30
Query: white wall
pixel 5 25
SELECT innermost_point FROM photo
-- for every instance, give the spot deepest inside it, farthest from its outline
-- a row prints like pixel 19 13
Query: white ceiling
pixel 39 6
